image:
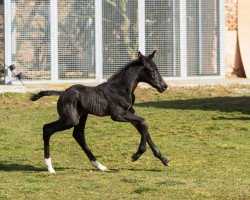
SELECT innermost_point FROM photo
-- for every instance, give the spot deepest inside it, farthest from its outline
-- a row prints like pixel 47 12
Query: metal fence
pixel 78 40
pixel 203 38
pixel 30 38
pixel 120 34
pixel 162 29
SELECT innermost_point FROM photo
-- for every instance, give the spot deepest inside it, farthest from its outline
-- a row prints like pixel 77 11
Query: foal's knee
pixel 144 124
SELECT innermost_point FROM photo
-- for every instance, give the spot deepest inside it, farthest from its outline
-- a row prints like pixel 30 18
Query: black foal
pixel 114 97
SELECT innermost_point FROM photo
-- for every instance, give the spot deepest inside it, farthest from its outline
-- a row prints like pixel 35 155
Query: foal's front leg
pixel 141 148
pixel 142 145
pixel 143 129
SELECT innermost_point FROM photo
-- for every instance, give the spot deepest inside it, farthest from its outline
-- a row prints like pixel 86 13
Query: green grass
pixel 204 131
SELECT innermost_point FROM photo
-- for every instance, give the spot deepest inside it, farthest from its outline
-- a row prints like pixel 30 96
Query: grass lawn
pixel 204 131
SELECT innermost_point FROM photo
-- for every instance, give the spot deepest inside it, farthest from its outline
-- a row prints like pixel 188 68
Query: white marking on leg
pixel 49 165
pixel 99 166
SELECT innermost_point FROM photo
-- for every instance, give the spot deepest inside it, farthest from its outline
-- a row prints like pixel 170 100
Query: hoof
pixel 99 166
pixel 165 161
pixel 51 170
pixel 135 157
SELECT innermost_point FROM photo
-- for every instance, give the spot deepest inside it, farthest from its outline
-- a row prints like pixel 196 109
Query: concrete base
pixel 171 83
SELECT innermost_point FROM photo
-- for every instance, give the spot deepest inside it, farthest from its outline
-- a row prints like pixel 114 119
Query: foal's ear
pixel 143 59
pixel 151 56
pixel 140 56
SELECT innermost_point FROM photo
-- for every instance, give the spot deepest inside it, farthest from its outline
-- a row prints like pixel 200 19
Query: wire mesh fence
pixel 120 34
pixel 30 31
pixel 76 37
pixel 203 37
pixel 163 34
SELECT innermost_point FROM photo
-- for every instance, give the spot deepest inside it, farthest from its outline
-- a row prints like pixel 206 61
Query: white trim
pixel 54 40
pixel 7 41
pixel 98 40
pixel 99 166
pixel 47 162
pixel 141 26
pixel 183 40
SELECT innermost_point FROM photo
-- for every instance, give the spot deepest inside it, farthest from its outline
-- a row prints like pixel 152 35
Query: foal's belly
pixel 95 106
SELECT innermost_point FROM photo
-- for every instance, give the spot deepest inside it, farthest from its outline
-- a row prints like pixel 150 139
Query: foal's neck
pixel 128 79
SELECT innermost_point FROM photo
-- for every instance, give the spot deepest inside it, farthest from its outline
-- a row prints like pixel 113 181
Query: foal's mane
pixel 124 68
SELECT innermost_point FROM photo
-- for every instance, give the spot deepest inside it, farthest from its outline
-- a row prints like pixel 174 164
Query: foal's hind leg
pixel 48 131
pixel 79 136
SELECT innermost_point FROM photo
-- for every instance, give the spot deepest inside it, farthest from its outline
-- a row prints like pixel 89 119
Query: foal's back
pixel 83 99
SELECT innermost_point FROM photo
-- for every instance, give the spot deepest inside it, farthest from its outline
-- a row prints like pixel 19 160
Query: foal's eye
pixel 150 72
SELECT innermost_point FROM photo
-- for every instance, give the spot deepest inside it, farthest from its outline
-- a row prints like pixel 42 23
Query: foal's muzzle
pixel 163 87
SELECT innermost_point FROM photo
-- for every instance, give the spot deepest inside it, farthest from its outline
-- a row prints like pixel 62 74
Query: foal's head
pixel 150 73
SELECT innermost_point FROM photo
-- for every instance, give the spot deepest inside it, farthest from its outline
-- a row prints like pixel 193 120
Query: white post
pixel 183 39
pixel 174 39
pixel 222 38
pixel 54 40
pixel 98 40
pixel 7 41
pixel 200 38
pixel 141 26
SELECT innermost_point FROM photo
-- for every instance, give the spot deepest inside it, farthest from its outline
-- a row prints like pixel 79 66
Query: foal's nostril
pixel 165 86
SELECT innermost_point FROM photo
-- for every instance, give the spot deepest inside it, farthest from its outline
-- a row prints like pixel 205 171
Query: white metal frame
pixel 7 41
pixel 183 42
pixel 174 39
pixel 54 40
pixel 141 26
pixel 222 38
pixel 98 42
pixel 200 37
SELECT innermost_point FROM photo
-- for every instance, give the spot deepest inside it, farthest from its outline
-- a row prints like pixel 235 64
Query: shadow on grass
pixel 27 168
pixel 18 167
pixel 30 168
pixel 133 170
pixel 224 104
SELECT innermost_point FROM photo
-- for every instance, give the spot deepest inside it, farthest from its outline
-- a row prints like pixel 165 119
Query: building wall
pixel 233 61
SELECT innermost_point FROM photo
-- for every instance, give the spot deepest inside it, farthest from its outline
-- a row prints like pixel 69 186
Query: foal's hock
pixel 113 98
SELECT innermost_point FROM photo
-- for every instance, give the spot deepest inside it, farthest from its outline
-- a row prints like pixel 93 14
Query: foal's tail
pixel 45 93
